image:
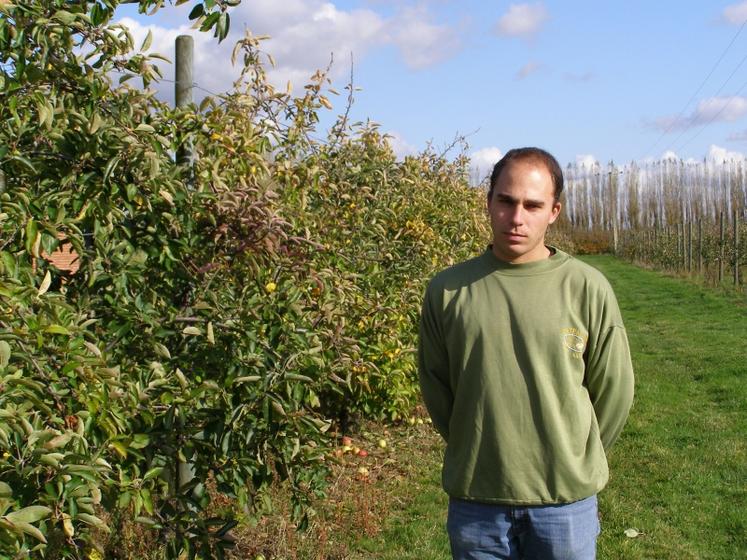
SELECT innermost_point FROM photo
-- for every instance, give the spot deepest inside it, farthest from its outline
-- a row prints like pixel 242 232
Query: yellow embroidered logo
pixel 574 340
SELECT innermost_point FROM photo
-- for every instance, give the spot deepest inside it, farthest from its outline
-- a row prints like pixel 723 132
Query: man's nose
pixel 517 215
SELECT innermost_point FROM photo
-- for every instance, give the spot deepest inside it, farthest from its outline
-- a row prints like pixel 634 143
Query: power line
pixel 715 95
pixel 723 108
pixel 697 91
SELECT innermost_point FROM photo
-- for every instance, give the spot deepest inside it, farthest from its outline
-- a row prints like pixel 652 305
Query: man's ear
pixel 555 211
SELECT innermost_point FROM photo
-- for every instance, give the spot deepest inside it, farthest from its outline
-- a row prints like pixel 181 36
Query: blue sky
pixel 586 80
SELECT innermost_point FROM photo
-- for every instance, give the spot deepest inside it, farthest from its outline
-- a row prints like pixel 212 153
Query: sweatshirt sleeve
pixel 433 366
pixel 609 380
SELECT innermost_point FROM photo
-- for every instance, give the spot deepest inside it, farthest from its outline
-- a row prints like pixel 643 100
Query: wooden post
pixel 700 245
pixel 680 245
pixel 184 58
pixel 614 235
pixel 183 90
pixel 690 246
pixel 721 248
pixel 736 247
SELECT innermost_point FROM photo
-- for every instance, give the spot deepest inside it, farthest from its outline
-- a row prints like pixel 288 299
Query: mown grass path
pixel 679 471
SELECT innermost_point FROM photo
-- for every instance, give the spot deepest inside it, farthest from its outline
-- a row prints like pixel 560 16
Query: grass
pixel 678 472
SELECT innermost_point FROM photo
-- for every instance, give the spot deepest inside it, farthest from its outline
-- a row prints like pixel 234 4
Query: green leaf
pixel 31 530
pixel 5 490
pixel 197 12
pixel 147 500
pixel 92 520
pixel 30 514
pixel 64 17
pixel 24 161
pixel 162 351
pixel 298 377
pixel 31 233
pixel 147 41
pixel 247 379
pixel 222 26
pixel 153 473
pixel 57 329
pixel 110 166
pixel 142 127
pixel 95 124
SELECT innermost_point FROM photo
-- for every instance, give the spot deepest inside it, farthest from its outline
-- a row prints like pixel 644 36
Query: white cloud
pixel 422 42
pixel 207 76
pixel 713 109
pixel 735 14
pixel 719 154
pixel 726 109
pixel 482 162
pixel 399 145
pixel 307 39
pixel 529 68
pixel 522 20
pixel 304 36
pixel 586 160
pixel 670 155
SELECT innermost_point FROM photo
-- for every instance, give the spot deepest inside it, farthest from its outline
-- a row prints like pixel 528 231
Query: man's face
pixel 521 207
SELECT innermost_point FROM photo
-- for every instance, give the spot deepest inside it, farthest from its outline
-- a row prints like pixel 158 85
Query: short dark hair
pixel 530 154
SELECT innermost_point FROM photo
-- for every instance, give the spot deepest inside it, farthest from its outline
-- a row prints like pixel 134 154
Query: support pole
pixel 736 247
pixel 184 50
pixel 700 245
pixel 690 246
pixel 614 236
pixel 185 46
pixel 721 247
pixel 680 244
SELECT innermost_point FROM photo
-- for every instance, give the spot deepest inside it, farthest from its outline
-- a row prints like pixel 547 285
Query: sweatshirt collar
pixel 556 259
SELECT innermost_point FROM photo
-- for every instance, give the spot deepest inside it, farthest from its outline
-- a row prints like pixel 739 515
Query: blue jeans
pixel 480 531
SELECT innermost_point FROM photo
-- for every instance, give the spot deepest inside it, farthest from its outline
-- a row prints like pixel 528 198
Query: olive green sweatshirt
pixel 525 370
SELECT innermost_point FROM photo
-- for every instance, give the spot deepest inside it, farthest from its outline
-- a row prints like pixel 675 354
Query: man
pixel 525 370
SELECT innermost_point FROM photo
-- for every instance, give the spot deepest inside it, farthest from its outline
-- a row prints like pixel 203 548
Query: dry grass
pixel 358 503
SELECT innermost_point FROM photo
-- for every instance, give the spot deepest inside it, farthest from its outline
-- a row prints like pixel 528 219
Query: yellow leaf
pixel 95 124
pixel 45 284
pixel 4 353
pixel 93 349
pixel 166 195
pixel 632 533
pixel 67 525
pixel 192 331
pixel 324 101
